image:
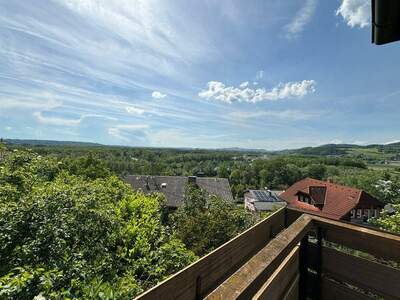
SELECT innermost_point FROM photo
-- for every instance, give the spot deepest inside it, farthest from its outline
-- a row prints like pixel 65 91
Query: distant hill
pixel 370 152
pixel 48 143
pixel 373 151
pixel 237 149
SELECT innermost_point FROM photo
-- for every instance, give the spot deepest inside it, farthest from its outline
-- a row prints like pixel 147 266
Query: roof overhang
pixel 385 21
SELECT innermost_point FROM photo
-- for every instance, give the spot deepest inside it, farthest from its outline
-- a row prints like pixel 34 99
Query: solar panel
pixel 268 196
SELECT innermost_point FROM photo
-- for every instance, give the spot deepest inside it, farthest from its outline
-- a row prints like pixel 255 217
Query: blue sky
pixel 269 74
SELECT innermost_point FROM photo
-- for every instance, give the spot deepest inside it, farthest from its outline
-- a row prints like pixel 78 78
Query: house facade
pixel 173 187
pixel 332 200
pixel 262 200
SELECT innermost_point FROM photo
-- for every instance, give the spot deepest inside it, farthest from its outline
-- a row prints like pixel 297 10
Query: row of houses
pixel 318 197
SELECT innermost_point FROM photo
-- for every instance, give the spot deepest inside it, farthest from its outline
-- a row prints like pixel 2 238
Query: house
pixel 332 200
pixel 262 200
pixel 173 187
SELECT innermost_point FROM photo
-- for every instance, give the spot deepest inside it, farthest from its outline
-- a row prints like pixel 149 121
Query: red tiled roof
pixel 339 199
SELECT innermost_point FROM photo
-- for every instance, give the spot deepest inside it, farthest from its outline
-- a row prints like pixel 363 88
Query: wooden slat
pixel 292 215
pixel 277 285
pixel 333 291
pixel 245 283
pixel 293 291
pixel 371 276
pixel 201 277
pixel 379 244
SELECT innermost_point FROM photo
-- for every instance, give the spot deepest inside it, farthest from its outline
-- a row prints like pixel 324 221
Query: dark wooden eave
pixel 385 21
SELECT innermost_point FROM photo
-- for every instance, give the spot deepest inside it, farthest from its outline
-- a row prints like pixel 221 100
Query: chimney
pixel 192 179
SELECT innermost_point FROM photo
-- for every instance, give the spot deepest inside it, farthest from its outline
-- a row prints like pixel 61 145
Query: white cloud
pixel 293 115
pixel 336 141
pixel 355 12
pixel 244 84
pixel 158 95
pixel 124 132
pixel 259 75
pixel 358 142
pixel 392 142
pixel 218 91
pixel 135 110
pixel 59 121
pixel 29 102
pixel 301 19
pixel 8 128
pixel 115 132
pixel 56 120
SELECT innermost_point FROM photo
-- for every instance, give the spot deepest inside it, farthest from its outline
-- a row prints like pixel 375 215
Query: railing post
pixel 317 291
pixel 303 268
pixel 198 288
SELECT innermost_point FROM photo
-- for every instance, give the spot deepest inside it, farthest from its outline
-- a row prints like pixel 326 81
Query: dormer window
pixel 304 198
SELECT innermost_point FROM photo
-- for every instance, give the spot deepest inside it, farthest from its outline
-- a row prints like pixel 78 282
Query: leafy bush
pixel 79 236
pixel 205 222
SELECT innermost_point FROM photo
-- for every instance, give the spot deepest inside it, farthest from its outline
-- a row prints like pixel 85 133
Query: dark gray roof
pixel 264 196
pixel 174 186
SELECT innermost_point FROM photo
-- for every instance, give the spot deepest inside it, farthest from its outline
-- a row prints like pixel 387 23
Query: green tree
pixel 72 236
pixel 316 171
pixel 205 222
pixel 390 221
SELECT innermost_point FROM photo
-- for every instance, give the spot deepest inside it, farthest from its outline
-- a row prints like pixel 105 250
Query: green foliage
pixel 316 171
pixel 205 222
pixel 390 221
pixel 88 166
pixel 381 184
pixel 84 235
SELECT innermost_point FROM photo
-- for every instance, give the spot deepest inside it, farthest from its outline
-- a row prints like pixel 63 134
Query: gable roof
pixel 173 187
pixel 337 200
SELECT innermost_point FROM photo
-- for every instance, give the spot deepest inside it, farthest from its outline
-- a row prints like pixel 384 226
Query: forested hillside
pixel 70 227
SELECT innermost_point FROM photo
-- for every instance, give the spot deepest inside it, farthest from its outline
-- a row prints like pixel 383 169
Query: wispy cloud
pixel 260 75
pixel 29 102
pixel 392 142
pixel 218 91
pixel 356 13
pixel 60 121
pixel 301 19
pixel 128 132
pixel 244 84
pixel 158 95
pixel 292 115
pixel 133 110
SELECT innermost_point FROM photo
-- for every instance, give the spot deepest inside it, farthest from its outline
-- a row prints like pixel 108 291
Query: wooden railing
pixel 201 277
pixel 291 255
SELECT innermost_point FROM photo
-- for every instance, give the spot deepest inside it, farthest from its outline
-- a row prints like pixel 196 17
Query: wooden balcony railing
pixel 291 255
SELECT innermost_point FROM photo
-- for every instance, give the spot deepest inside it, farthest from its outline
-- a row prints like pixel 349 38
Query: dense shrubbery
pixel 205 222
pixel 79 236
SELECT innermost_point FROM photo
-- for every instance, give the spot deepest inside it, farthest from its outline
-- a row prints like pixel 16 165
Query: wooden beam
pixel 204 275
pixel 246 282
pixel 278 284
pixel 318 267
pixel 368 275
pixel 293 290
pixel 377 243
pixel 332 290
pixel 303 268
pixel 292 215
